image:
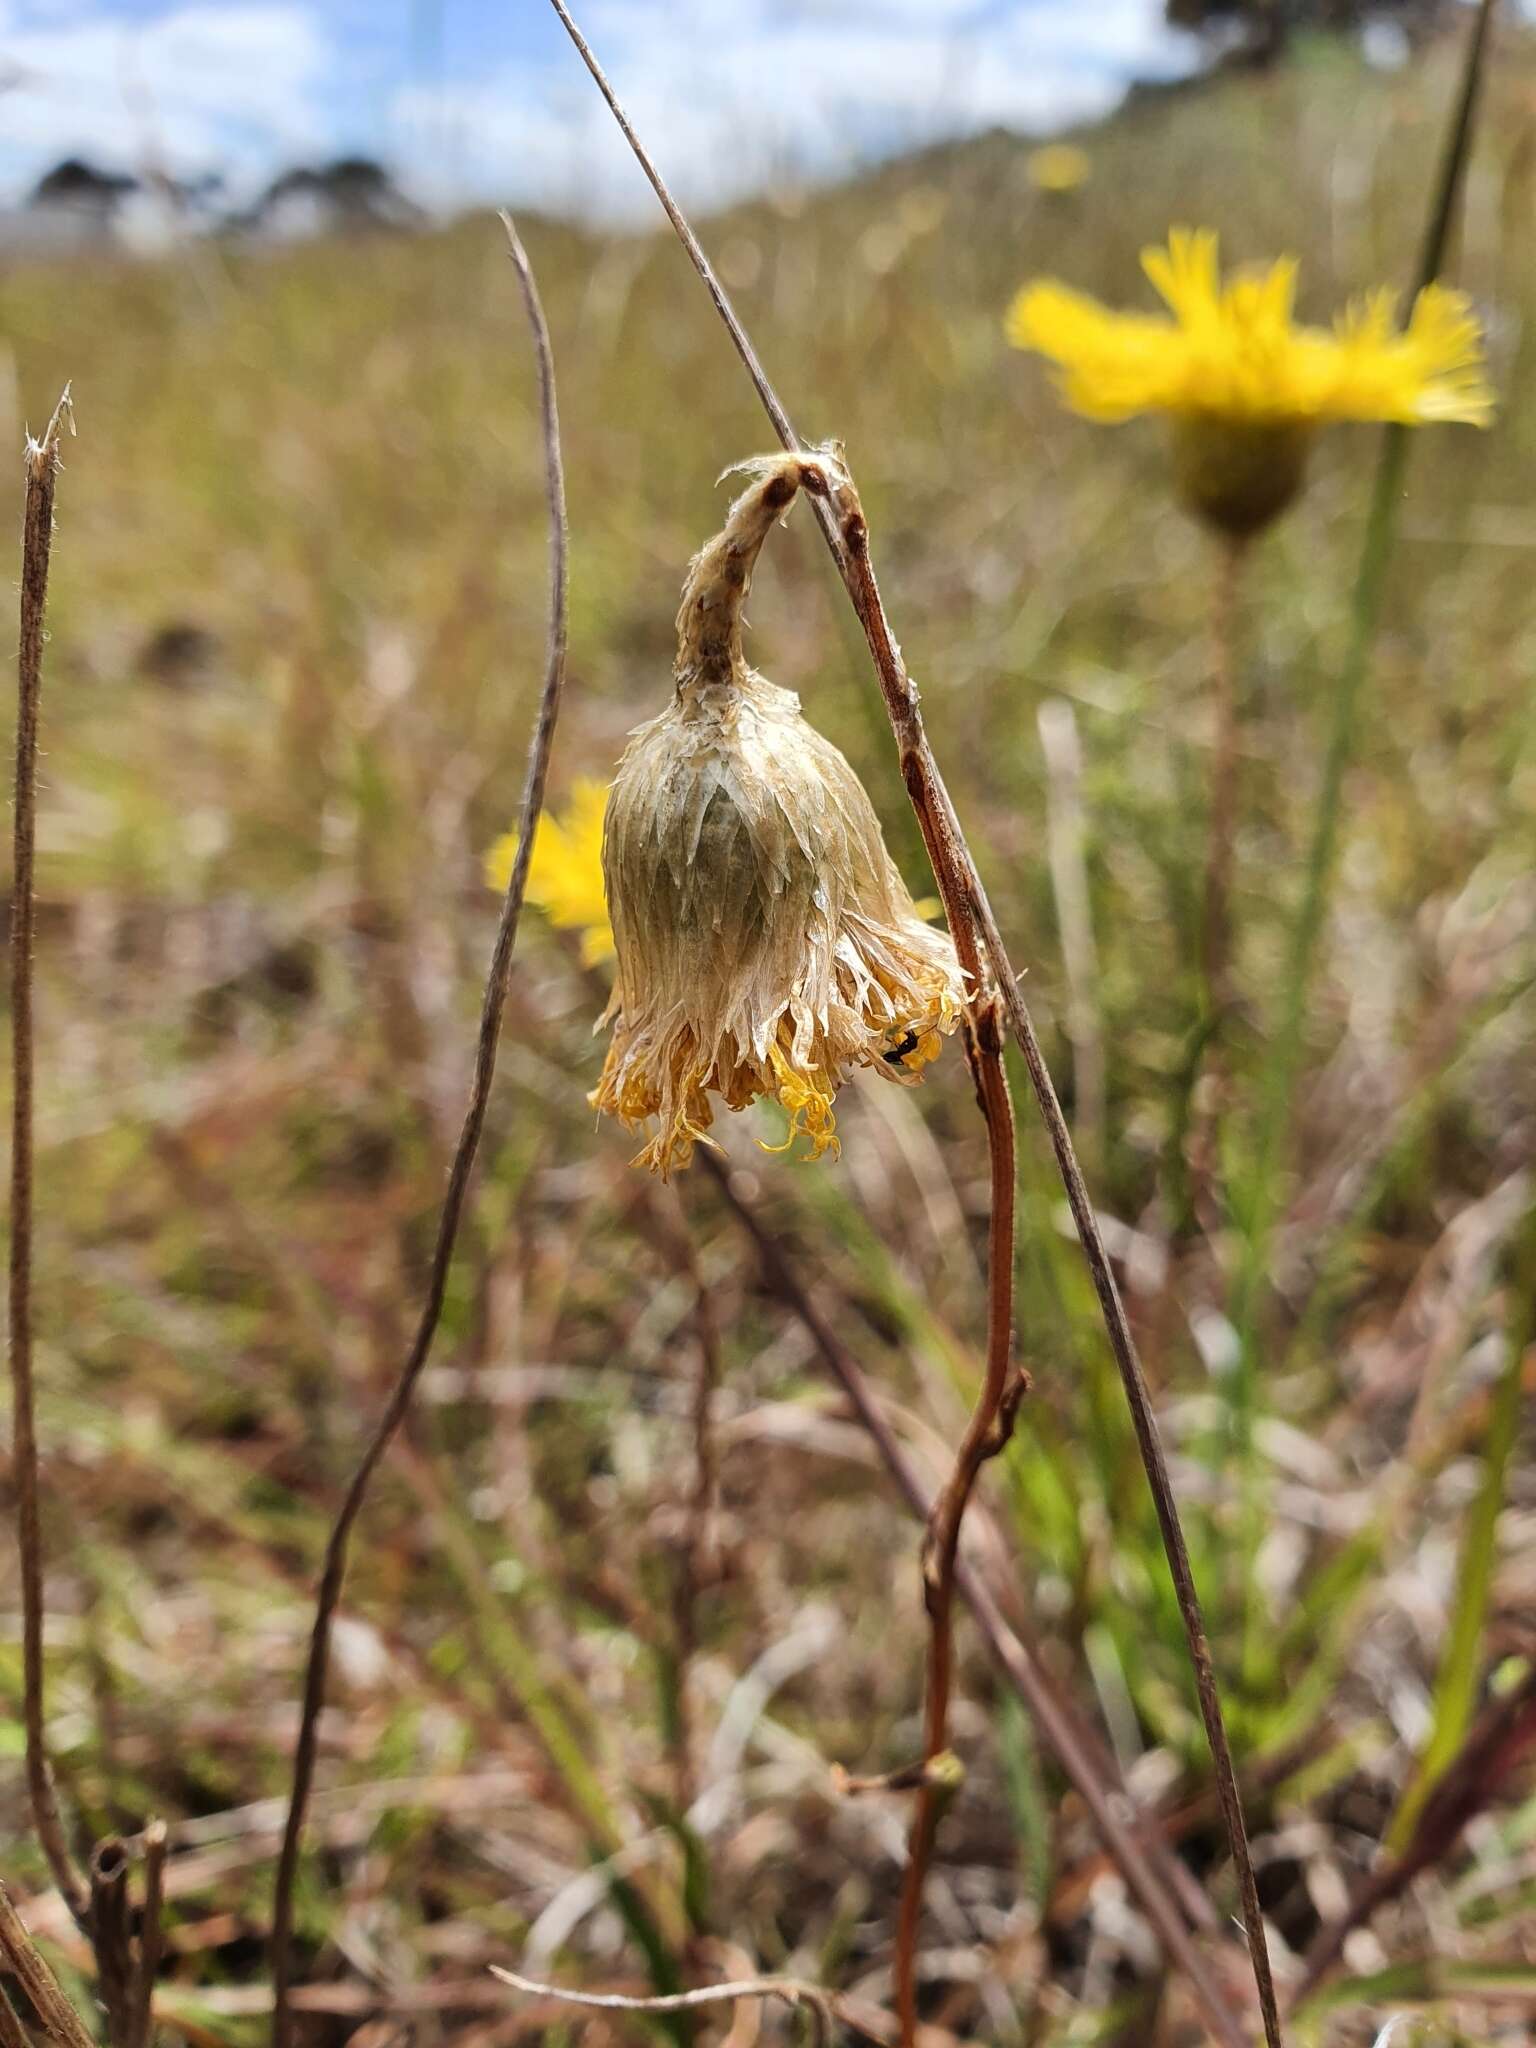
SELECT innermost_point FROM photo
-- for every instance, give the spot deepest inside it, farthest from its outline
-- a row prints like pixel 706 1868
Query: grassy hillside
pixel 297 632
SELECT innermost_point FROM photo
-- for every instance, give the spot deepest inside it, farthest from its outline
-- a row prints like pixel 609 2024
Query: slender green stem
pixel 1365 617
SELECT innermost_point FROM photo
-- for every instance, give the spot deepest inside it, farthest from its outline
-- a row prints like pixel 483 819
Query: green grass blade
pixel 1461 1666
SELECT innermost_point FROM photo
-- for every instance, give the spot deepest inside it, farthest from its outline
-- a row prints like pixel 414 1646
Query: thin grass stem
pixel 1278 1086
pixel 1364 621
pixel 497 982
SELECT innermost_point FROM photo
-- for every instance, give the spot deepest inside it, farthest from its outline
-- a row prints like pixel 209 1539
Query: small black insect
pixel 897 1053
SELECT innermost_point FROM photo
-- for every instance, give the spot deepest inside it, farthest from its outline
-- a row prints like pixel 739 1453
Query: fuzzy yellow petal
pixel 1432 371
pixel 1234 352
pixel 1113 365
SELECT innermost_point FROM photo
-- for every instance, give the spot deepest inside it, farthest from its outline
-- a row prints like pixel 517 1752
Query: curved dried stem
pixel 42 469
pixel 966 905
pixel 334 1570
pixel 990 1425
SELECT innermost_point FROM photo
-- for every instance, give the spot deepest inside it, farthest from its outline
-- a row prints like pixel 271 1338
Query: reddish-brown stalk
pixel 966 905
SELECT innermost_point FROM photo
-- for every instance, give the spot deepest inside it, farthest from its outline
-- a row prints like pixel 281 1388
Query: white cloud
pixel 808 88
pixel 732 96
pixel 198 87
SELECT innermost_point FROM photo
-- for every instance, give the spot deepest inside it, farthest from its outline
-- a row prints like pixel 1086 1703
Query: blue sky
pixel 485 98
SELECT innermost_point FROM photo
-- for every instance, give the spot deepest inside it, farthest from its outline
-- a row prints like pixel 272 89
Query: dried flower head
pixel 766 943
pixel 1245 386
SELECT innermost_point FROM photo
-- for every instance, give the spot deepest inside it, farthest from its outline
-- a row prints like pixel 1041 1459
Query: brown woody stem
pixel 42 468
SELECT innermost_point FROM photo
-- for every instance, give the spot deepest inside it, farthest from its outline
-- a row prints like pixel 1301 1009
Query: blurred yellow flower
pixel 1245 386
pixel 1234 351
pixel 1058 167
pixel 565 875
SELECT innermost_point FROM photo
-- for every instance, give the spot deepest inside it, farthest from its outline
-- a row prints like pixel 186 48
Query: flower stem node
pixel 766 943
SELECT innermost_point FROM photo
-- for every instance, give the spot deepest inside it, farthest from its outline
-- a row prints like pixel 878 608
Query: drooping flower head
pixel 766 943
pixel 1245 386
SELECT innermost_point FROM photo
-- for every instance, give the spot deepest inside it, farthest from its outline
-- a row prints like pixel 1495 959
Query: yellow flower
pixel 1236 351
pixel 1058 167
pixel 565 875
pixel 1233 362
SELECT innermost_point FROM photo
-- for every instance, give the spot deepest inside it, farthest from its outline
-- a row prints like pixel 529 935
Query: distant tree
pixel 1255 31
pixel 76 183
pixel 350 193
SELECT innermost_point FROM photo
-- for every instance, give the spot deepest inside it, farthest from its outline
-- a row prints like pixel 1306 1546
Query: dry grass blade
pixel 59 2021
pixel 966 905
pixel 790 1989
pixel 335 1565
pixel 42 468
